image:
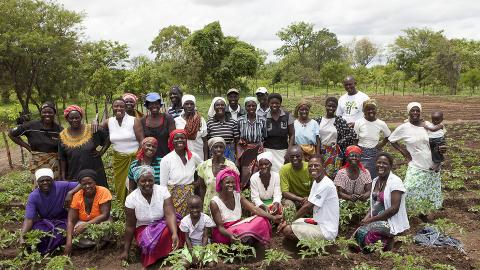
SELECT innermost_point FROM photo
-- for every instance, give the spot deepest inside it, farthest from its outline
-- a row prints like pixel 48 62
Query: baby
pixel 195 225
pixel 436 134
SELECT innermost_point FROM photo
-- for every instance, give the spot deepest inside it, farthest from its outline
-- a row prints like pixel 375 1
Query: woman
pixel 226 209
pixel 423 185
pixel 145 156
pixel 368 130
pixel 252 131
pixel 91 205
pixel 42 136
pixel 306 130
pixel 194 125
pixel 222 125
pixel 353 181
pixel 280 131
pixel 387 215
pixel 208 170
pixel 335 136
pixel 125 134
pixel 265 185
pixel 130 104
pixel 157 124
pixel 150 217
pixel 78 147
pixel 177 170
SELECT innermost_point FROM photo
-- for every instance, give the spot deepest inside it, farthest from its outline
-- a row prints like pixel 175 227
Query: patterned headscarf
pixel 211 110
pixel 130 95
pixel 72 108
pixel 370 102
pixel 223 174
pixel 354 149
pixel 300 104
pixel 142 170
pixel 141 152
pixel 193 123
pixel 170 141
pixel 215 140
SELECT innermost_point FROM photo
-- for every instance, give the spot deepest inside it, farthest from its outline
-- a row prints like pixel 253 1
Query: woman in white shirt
pixel 423 185
pixel 177 170
pixel 368 130
pixel 150 217
pixel 387 215
pixel 265 185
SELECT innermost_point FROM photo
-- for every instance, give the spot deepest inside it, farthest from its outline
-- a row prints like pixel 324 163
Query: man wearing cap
pixel 176 108
pixel 235 110
pixel 45 209
pixel 262 97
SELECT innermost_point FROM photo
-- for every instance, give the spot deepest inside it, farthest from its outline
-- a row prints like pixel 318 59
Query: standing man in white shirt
pixel 235 110
pixel 264 107
pixel 350 105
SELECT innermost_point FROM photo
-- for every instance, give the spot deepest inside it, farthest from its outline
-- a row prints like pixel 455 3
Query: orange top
pixel 102 196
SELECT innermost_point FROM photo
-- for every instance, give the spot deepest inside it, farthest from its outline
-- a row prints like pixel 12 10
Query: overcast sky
pixel 136 23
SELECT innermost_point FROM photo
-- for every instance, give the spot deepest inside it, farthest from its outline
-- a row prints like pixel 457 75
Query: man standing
pixel 262 97
pixel 350 105
pixel 295 182
pixel 175 95
pixel 235 110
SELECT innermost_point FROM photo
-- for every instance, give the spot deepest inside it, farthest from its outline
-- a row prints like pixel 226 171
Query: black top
pixel 39 138
pixel 277 131
pixel 160 133
pixel 80 157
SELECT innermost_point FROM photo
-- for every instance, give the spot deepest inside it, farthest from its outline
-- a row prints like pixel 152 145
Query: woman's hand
pixel 276 218
pixel 365 220
pixel 174 241
pixel 281 226
pixel 233 237
pixel 80 229
pixel 274 208
pixel 68 249
pixel 68 200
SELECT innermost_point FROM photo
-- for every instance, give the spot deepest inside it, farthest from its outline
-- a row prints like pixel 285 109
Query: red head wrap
pixel 72 108
pixel 225 173
pixel 170 141
pixel 130 95
pixel 141 152
pixel 354 149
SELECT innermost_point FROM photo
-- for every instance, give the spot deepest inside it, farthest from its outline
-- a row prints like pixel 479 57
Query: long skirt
pixel 180 195
pixel 423 186
pixel 155 241
pixel 368 159
pixel 373 232
pixel 332 160
pixel 247 159
pixel 256 227
pixel 278 158
pixel 44 160
pixel 53 226
pixel 121 164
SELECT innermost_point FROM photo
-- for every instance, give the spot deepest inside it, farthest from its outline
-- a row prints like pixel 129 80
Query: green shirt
pixel 296 182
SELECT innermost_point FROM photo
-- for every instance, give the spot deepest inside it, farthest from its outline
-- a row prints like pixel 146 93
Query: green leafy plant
pixel 376 247
pixel 406 262
pixel 364 266
pixel 475 209
pixel 275 255
pixel 349 210
pixel 344 245
pixel 177 259
pixel 419 207
pixel 289 212
pixel 7 238
pixel 59 263
pixel 313 247
pixel 440 266
pixel 446 226
pixel 241 252
pixel 213 253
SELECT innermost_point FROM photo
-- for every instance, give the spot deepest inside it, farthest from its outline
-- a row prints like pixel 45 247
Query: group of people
pixel 178 174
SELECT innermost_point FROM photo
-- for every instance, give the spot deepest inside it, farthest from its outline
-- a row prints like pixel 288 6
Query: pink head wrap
pixel 141 153
pixel 130 95
pixel 171 145
pixel 225 173
pixel 72 108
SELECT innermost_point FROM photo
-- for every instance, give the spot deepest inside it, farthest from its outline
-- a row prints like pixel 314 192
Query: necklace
pixel 75 141
pixel 304 123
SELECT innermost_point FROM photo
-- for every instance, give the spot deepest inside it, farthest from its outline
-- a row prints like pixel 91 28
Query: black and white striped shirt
pixel 252 132
pixel 228 130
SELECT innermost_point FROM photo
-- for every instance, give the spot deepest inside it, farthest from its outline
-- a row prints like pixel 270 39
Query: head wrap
pixel 215 140
pixel 43 172
pixel 152 97
pixel 141 152
pixel 211 110
pixel 50 105
pixel 300 104
pixel 265 155
pixel 130 95
pixel 353 149
pixel 371 102
pixel 139 171
pixel 186 98
pixel 224 173
pixel 72 108
pixel 413 104
pixel 87 173
pixel 170 141
pixel 247 99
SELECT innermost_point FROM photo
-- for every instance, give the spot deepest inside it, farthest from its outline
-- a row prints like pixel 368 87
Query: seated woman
pixel 226 209
pixel 91 205
pixel 265 185
pixel 353 180
pixel 150 217
pixel 387 215
pixel 45 210
pixel 145 156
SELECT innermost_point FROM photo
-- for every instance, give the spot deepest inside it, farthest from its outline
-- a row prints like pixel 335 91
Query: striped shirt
pixel 174 112
pixel 155 165
pixel 252 132
pixel 228 130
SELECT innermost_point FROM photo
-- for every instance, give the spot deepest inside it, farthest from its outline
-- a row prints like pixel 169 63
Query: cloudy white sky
pixel 136 23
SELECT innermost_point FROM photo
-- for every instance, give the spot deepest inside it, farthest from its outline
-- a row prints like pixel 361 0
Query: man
pixel 323 199
pixel 235 110
pixel 295 182
pixel 350 105
pixel 45 209
pixel 262 97
pixel 176 108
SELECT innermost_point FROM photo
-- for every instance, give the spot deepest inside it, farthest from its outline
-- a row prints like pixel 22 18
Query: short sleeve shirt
pixel 296 182
pixel 326 209
pixel 277 131
pixel 155 165
pixel 350 107
pixel 353 186
pixel 195 232
pixel 228 130
pixel 49 206
pixel 368 132
pixel 147 213
pixel 306 134
pixel 102 196
pixel 40 139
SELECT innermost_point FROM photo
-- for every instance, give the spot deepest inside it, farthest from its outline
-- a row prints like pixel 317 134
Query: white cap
pixel 43 172
pixel 261 90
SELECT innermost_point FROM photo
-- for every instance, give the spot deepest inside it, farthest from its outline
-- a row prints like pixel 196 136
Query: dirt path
pixel 16 157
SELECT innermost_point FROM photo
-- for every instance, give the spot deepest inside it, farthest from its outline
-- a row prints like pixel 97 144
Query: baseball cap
pixel 261 90
pixel 152 97
pixel 233 90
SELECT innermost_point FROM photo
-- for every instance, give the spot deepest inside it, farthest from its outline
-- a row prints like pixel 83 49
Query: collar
pixel 234 111
pixel 269 115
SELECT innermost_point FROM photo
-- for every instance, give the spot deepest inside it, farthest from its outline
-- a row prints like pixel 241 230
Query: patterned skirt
pixel 332 160
pixel 44 160
pixel 423 186
pixel 180 195
pixel 373 232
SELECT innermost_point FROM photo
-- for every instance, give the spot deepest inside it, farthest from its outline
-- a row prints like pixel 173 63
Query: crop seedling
pixel 376 247
pixel 406 262
pixel 7 238
pixel 313 247
pixel 289 212
pixel 274 255
pixel 441 266
pixel 59 263
pixel 446 226
pixel 344 245
pixel 241 252
pixel 364 266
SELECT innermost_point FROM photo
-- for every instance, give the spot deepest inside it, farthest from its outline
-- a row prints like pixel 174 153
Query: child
pixel 436 134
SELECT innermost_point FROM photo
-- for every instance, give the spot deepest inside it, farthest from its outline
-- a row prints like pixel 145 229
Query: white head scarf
pixel 215 140
pixel 186 98
pixel 247 99
pixel 43 172
pixel 265 155
pixel 211 110
pixel 413 104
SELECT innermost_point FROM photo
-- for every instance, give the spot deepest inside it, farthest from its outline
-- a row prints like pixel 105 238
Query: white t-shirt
pixel 174 172
pixel 328 132
pixel 145 212
pixel 368 133
pixel 416 141
pixel 435 134
pixel 258 191
pixel 195 232
pixel 196 146
pixel 351 107
pixel 326 209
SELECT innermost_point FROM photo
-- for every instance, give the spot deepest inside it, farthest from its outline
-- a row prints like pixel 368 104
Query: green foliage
pixel 59 263
pixel 475 209
pixel 289 212
pixel 313 247
pixel 446 226
pixel 377 247
pixel 275 255
pixel 99 233
pixel 419 207
pixel 344 245
pixel 364 266
pixel 349 210
pixel 8 238
pixel 241 252
pixel 406 262
pixel 440 266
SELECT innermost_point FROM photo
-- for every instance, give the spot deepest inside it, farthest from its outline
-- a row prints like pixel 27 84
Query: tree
pixel 471 79
pixel 297 37
pixel 363 52
pixel 334 72
pixel 324 47
pixel 445 63
pixel 167 45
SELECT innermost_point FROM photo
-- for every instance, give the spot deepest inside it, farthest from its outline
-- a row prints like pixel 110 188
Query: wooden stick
pixel 8 150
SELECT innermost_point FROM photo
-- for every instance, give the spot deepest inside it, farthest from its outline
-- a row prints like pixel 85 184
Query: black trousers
pixel 437 157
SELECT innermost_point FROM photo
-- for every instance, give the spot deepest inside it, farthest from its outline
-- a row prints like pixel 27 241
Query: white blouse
pixel 227 214
pixel 145 212
pixel 196 146
pixel 174 172
pixel 258 191
pixel 123 137
pixel 328 132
